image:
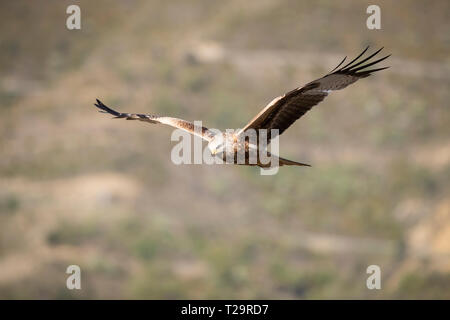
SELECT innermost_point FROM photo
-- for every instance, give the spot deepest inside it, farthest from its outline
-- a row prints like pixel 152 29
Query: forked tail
pixel 286 162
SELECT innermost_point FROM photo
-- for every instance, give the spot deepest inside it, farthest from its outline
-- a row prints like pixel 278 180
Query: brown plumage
pixel 284 110
pixel 279 114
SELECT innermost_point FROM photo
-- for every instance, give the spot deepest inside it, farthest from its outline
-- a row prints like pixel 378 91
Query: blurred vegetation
pixel 79 188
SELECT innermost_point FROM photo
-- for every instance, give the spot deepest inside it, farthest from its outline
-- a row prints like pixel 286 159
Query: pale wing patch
pixel 188 126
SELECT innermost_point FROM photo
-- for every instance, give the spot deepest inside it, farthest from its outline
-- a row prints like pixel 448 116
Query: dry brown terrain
pixel 79 188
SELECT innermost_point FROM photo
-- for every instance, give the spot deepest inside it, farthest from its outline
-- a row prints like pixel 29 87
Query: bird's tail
pixel 286 162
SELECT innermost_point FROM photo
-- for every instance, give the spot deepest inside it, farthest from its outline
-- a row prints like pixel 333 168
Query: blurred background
pixel 79 188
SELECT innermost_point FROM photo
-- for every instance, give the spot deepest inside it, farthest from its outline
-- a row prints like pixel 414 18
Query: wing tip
pixel 104 109
pixel 356 67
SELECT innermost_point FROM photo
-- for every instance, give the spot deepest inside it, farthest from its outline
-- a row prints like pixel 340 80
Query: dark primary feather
pixel 128 116
pixel 359 56
pixel 283 111
pixel 339 64
pixel 105 109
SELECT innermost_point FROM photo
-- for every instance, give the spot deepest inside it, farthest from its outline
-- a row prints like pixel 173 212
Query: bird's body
pixel 238 150
pixel 245 146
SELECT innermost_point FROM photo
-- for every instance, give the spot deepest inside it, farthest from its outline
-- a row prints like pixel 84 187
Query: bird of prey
pixel 279 114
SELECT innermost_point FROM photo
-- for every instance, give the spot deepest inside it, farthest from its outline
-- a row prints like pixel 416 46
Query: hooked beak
pixel 214 152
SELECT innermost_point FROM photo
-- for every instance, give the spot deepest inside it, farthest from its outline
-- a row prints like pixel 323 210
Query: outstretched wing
pixel 283 111
pixel 173 122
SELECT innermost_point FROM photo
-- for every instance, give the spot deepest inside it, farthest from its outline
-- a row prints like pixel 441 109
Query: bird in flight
pixel 274 119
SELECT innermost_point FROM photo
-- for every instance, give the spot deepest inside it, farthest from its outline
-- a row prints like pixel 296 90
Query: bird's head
pixel 217 145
